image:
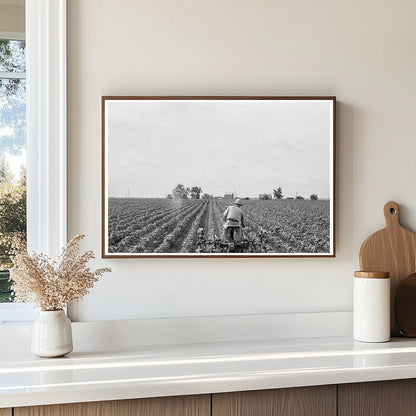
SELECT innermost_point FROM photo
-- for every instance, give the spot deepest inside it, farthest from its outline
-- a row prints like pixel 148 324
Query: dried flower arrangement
pixel 52 285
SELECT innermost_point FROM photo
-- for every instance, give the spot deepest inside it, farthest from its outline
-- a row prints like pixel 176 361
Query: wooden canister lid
pixel 371 275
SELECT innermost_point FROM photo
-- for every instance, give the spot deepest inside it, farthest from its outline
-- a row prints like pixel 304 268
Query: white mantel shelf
pixel 200 368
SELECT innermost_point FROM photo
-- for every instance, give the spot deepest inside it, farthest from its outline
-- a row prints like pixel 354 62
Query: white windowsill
pixel 11 313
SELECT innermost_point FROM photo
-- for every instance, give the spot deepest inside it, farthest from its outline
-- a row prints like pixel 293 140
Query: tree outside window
pixel 12 156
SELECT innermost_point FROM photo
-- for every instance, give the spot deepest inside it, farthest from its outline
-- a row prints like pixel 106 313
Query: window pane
pixel 12 116
pixel 12 175
pixel 5 293
pixel 12 56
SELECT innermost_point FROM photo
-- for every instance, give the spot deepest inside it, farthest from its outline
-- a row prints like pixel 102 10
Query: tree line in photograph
pixel 195 192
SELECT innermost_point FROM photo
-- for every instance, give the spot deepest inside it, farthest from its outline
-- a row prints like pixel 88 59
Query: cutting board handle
pixel 391 214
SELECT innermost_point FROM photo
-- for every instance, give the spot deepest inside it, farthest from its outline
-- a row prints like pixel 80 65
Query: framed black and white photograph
pixel 218 176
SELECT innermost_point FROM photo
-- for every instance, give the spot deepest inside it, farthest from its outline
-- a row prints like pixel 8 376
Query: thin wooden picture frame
pixel 171 165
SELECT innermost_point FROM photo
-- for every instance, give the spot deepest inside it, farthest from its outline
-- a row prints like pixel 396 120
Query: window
pixel 12 162
pixel 46 133
pixel 12 155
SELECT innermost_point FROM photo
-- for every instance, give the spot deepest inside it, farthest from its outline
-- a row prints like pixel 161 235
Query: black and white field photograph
pixel 218 176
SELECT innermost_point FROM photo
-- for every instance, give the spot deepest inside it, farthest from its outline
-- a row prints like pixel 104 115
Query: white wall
pixel 12 17
pixel 361 51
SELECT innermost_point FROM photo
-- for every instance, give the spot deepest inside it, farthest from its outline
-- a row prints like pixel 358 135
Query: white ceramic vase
pixel 52 334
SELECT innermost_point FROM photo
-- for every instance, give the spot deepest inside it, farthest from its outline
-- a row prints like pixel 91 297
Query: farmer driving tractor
pixel 233 222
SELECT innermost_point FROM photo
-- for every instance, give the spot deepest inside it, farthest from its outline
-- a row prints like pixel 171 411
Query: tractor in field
pixel 229 244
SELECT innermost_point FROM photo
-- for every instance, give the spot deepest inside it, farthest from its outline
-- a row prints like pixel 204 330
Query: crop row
pixel 162 225
pixel 139 228
pixel 150 236
pixel 214 224
pixel 188 245
pixel 291 226
pixel 296 227
pixel 121 211
pixel 177 228
pixel 214 221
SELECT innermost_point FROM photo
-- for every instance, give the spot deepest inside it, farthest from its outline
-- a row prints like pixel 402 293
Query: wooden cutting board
pixel 393 250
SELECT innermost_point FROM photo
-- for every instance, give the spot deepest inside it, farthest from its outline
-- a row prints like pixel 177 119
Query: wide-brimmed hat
pixel 238 202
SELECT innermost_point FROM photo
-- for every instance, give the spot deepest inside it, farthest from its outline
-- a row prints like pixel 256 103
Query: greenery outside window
pixel 12 155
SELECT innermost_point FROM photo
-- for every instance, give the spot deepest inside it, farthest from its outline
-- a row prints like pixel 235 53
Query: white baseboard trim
pixel 110 335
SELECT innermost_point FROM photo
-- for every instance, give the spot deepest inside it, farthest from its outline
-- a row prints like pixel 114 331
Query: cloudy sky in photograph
pixel 246 147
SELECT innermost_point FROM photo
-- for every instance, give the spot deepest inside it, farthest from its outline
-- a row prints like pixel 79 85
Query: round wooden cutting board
pixel 405 306
pixel 393 250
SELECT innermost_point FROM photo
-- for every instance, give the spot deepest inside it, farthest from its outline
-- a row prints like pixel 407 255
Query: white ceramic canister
pixel 51 334
pixel 371 306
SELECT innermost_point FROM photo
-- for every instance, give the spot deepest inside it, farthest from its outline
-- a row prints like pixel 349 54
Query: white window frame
pixel 46 134
pixel 14 312
pixel 12 35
